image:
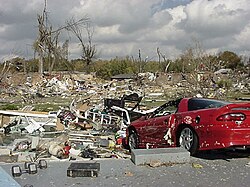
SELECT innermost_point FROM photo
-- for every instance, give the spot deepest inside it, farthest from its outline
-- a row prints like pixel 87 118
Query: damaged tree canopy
pixel 47 42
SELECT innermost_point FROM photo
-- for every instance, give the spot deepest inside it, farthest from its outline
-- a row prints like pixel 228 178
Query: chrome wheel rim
pixel 186 138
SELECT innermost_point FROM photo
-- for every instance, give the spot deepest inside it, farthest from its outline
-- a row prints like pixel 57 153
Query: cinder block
pixel 163 155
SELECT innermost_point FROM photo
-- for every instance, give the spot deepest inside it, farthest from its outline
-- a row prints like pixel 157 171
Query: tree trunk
pixel 41 64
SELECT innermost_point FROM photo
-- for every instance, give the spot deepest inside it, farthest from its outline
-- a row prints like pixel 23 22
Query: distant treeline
pixel 186 63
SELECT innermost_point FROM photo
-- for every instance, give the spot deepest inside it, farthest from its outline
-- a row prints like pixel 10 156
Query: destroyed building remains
pixel 93 121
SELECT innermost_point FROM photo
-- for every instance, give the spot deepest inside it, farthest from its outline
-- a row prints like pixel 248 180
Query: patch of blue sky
pixel 168 4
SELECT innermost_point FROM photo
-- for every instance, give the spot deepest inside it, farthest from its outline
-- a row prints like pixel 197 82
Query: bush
pixel 9 107
pixel 227 84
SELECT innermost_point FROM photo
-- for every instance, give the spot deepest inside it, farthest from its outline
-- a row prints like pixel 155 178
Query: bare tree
pixel 88 49
pixel 5 70
pixel 47 43
pixel 40 43
pixel 141 62
pixel 160 55
pixel 201 67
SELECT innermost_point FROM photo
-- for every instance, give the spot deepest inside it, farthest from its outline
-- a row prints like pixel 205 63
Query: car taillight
pixel 232 117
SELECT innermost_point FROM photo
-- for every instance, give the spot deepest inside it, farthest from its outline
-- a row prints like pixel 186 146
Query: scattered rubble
pixel 94 123
pixel 248 164
pixel 155 163
pixel 129 174
pixel 197 166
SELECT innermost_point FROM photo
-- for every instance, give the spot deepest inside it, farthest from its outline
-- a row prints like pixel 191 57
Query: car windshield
pixel 167 108
pixel 199 103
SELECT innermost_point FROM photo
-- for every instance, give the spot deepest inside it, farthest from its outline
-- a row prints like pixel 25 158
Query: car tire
pixel 188 139
pixel 133 140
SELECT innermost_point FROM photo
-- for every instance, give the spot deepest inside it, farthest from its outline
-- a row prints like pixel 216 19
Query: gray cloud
pixel 214 19
pixel 122 27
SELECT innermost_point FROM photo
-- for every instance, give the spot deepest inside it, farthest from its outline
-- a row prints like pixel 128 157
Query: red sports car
pixel 193 123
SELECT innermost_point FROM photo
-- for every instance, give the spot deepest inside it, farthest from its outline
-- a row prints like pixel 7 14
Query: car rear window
pixel 198 103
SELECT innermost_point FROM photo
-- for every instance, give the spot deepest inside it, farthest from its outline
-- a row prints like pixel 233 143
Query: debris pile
pixel 78 131
pixel 93 124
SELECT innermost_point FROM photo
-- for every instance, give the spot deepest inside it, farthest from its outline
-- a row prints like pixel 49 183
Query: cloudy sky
pixel 122 27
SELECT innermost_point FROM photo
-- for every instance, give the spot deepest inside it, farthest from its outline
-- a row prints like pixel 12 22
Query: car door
pixel 155 129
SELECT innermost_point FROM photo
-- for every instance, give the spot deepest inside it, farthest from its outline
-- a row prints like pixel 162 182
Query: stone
pixel 162 155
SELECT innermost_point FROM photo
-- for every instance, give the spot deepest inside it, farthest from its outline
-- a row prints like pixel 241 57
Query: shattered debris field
pixel 50 122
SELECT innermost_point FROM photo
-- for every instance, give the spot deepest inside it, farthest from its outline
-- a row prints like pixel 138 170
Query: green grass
pixel 10 107
pixel 39 104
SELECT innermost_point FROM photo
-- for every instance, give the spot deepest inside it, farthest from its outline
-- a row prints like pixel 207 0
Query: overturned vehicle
pixel 193 123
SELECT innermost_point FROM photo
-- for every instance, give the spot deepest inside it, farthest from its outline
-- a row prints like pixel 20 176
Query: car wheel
pixel 188 139
pixel 133 140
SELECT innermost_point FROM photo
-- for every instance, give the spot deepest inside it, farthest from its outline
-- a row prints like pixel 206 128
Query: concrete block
pixel 35 142
pixel 4 151
pixel 163 155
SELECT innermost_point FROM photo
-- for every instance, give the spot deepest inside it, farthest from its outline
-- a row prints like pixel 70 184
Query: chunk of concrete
pixel 4 151
pixel 163 155
pixel 35 142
